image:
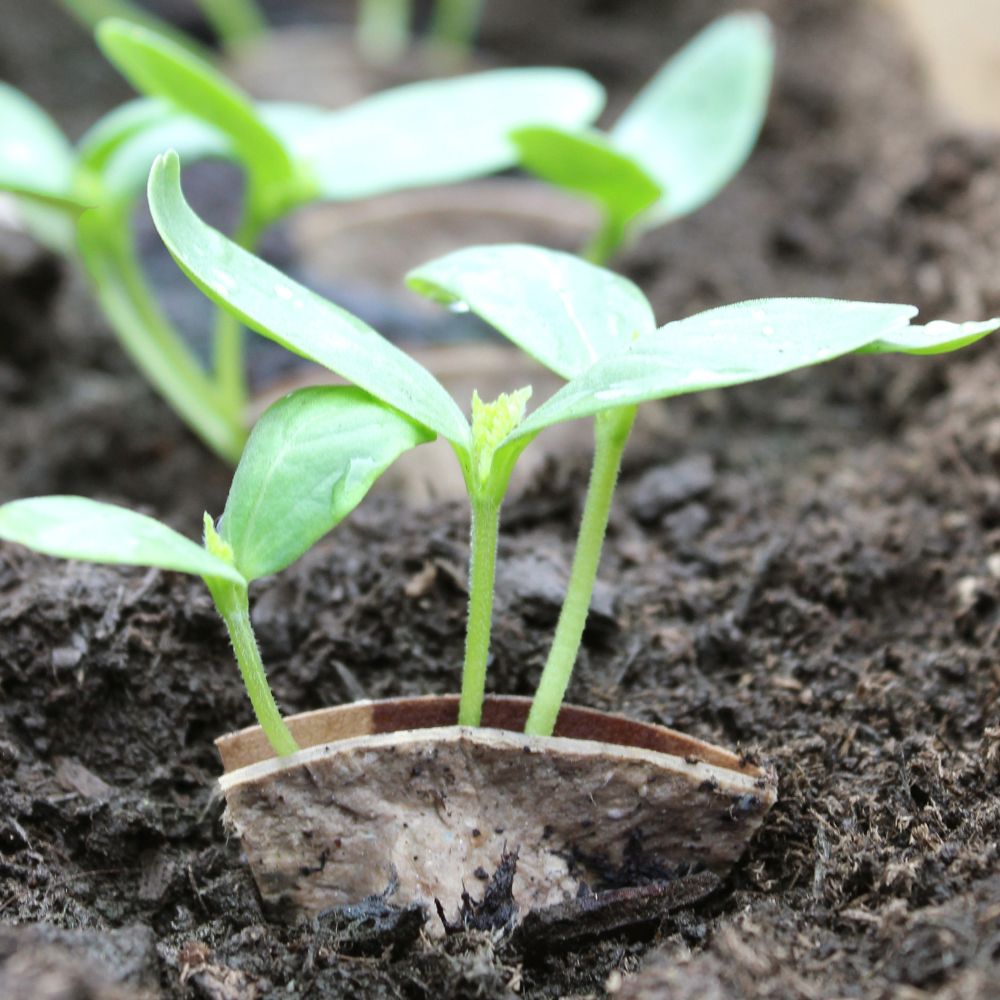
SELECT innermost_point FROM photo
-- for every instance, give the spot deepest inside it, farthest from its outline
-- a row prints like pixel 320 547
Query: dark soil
pixel 821 588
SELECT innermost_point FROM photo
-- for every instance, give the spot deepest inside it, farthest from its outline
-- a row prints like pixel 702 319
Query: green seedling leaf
pixel 101 140
pixel 77 528
pixel 289 314
pixel 36 159
pixel 309 462
pixel 126 171
pixel 721 347
pixel 937 337
pixel 588 164
pixel 693 126
pixel 440 131
pixel 158 67
pixel 564 312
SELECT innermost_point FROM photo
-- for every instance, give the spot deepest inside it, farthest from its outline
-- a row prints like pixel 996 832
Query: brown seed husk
pixel 434 804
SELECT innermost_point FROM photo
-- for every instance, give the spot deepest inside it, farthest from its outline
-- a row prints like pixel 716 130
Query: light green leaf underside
pixel 721 347
pixel 36 159
pixel 937 337
pixel 438 131
pixel 587 164
pixel 310 460
pixel 126 171
pixel 561 310
pixel 100 141
pixel 692 127
pixel 158 67
pixel 77 528
pixel 289 314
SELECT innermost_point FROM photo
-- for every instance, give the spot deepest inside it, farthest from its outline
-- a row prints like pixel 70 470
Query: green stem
pixel 234 21
pixel 384 28
pixel 606 241
pixel 232 602
pixel 611 433
pixel 148 337
pixel 482 566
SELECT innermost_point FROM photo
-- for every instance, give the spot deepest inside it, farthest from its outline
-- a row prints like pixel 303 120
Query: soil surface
pixel 807 571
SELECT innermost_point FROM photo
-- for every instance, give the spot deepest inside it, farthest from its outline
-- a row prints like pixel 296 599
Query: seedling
pixel 592 327
pixel 597 330
pixel 681 140
pixel 309 462
pixel 236 22
pixel 83 200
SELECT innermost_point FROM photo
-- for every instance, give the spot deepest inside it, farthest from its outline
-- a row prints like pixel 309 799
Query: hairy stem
pixel 232 602
pixel 611 432
pixel 482 566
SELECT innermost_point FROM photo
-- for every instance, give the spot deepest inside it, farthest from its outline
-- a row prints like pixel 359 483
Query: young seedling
pixel 597 330
pixel 83 200
pixel 236 22
pixel 676 145
pixel 309 462
pixel 592 327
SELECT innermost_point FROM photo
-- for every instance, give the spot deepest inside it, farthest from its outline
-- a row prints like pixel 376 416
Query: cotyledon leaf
pixel 438 131
pixel 588 164
pixel 310 460
pixel 126 171
pixel 692 127
pixel 36 159
pixel 77 528
pixel 158 67
pixel 721 347
pixel 564 312
pixel 289 314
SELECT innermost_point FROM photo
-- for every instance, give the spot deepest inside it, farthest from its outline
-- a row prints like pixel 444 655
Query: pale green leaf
pixel 101 140
pixel 126 170
pixel 693 126
pixel 280 309
pixel 158 67
pixel 77 528
pixel 439 131
pixel 310 460
pixel 36 159
pixel 937 337
pixel 721 347
pixel 561 310
pixel 588 164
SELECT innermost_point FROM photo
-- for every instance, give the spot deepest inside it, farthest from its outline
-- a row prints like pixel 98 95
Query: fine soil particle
pixel 821 590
